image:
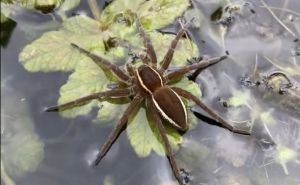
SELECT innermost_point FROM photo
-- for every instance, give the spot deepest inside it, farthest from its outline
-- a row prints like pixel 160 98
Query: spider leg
pixel 169 55
pixel 200 65
pixel 224 124
pixel 157 119
pixel 100 61
pixel 146 41
pixel 118 128
pixel 111 93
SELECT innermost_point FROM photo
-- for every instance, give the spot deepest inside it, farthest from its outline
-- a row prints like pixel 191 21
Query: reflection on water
pixel 258 87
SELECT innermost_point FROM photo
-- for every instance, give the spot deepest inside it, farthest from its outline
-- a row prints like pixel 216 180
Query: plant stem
pixel 95 9
pixel 5 177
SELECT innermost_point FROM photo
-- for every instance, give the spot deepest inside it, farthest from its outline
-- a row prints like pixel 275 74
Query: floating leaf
pixel 109 113
pixel 154 13
pixel 239 98
pixel 108 180
pixel 144 136
pixel 267 118
pixel 285 155
pixel 87 79
pixel 53 52
pixel 161 43
pixel 69 5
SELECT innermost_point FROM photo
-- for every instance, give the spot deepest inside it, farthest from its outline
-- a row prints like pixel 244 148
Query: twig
pixel 286 2
pixel 281 9
pixel 277 19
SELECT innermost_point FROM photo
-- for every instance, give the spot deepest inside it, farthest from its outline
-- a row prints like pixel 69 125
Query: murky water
pixel 257 88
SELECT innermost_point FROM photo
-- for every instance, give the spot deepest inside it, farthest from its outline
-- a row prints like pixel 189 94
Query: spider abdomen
pixel 149 79
pixel 171 107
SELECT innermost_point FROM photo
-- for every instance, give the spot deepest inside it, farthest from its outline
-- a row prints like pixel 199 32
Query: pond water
pixel 256 88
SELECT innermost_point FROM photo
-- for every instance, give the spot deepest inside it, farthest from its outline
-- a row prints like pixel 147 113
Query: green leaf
pixel 144 136
pixel 154 13
pixel 87 79
pixel 109 113
pixel 267 117
pixel 239 98
pixel 53 52
pixel 185 49
pixel 285 155
pixel 159 13
pixel 69 5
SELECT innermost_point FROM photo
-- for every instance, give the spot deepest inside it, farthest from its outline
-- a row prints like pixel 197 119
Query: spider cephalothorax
pixel 149 83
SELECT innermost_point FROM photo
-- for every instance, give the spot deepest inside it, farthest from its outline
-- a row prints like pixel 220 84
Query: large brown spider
pixel 149 83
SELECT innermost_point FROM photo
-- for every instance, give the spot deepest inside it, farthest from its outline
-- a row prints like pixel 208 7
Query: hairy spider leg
pixel 169 55
pixel 130 69
pixel 157 120
pixel 115 93
pixel 147 43
pixel 200 65
pixel 118 128
pixel 224 124
pixel 100 61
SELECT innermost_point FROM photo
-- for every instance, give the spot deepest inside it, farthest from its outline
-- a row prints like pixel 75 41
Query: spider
pixel 149 83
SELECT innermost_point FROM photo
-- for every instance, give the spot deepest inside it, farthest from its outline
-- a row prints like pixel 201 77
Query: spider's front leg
pixel 200 65
pixel 224 124
pixel 169 55
pixel 157 119
pixel 100 61
pixel 147 42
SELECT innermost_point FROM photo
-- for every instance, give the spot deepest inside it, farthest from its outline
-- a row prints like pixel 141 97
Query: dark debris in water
pixel 279 82
pixel 185 176
pixel 296 51
pixel 276 81
pixel 246 81
pixel 223 102
pixel 191 61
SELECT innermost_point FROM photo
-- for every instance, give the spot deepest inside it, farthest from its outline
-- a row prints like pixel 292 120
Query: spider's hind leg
pixel 215 116
pixel 118 128
pixel 157 119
